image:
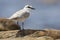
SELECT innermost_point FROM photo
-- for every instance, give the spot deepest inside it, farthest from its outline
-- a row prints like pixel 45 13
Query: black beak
pixel 33 8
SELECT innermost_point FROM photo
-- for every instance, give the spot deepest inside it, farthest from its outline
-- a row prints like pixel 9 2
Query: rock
pixel 52 33
pixel 6 24
pixel 9 34
pixel 39 33
pixel 16 35
pixel 28 31
pixel 27 34
pixel 12 39
pixel 57 39
pixel 30 38
pixel 45 38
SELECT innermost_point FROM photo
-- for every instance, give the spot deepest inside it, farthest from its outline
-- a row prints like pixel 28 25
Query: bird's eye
pixel 28 7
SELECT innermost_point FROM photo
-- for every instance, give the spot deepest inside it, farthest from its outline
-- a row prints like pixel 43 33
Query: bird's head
pixel 29 7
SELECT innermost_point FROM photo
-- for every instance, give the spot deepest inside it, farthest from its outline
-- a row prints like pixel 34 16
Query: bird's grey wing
pixel 23 16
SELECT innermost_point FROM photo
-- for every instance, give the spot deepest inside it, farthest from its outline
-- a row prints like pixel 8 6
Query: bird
pixel 22 14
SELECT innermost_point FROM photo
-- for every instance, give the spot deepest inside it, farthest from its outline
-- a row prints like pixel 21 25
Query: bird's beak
pixel 33 8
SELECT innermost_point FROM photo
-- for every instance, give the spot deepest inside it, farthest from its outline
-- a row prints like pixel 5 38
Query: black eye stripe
pixel 29 7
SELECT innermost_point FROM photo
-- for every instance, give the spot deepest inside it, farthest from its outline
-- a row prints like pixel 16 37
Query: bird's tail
pixel 8 18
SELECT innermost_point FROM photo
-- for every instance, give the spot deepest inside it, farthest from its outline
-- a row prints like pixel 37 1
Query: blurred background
pixel 46 15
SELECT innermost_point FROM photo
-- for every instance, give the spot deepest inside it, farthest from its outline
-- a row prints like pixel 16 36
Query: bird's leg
pixel 22 25
pixel 17 23
pixel 23 33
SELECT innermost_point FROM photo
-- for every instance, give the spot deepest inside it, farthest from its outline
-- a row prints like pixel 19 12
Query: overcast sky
pixel 46 15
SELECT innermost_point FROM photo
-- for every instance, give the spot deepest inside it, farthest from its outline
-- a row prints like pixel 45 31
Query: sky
pixel 46 15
